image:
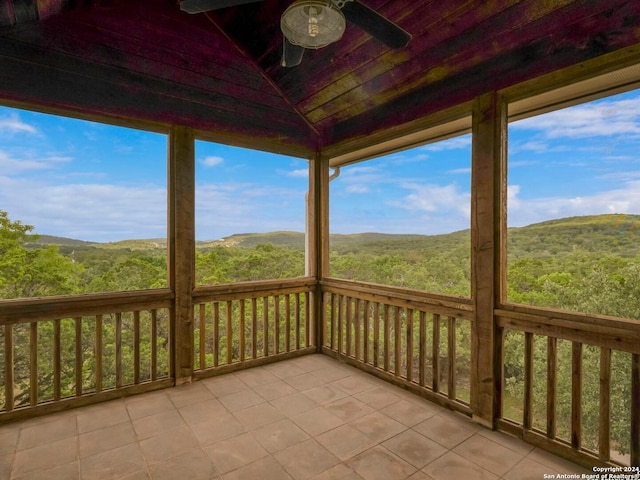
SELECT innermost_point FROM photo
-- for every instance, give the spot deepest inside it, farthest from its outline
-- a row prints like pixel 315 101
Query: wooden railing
pixel 418 340
pixel 59 352
pixel 571 383
pixel 251 323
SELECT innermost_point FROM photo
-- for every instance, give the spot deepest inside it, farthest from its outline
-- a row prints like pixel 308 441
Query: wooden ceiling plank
pixel 429 25
pixel 501 71
pixel 469 35
pixel 219 104
pixel 114 49
pixel 48 87
pixel 272 85
pixel 146 28
pixel 450 58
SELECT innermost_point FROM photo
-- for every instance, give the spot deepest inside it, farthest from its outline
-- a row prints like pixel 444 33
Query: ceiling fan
pixel 313 24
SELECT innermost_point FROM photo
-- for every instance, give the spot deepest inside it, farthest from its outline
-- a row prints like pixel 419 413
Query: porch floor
pixel 307 418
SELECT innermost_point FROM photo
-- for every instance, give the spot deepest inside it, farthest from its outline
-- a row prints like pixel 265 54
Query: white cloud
pixel 86 211
pixel 444 199
pixel 225 209
pixel 526 211
pixel 605 118
pixel 300 173
pixel 12 124
pixel 357 188
pixel 11 166
pixel 212 161
pixel 456 143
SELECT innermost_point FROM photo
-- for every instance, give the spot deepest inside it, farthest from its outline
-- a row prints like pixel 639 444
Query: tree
pixel 32 272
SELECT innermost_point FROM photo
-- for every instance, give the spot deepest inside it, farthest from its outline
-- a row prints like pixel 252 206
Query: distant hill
pixel 248 240
pixel 61 241
pixel 595 233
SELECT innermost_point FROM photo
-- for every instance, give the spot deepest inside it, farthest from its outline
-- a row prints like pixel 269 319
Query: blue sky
pixel 102 183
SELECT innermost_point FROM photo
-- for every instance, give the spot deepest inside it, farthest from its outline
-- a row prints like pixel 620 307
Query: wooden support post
pixel 488 225
pixel 318 238
pixel 181 248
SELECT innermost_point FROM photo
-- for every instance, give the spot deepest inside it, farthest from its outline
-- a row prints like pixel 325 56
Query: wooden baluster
pixel 422 349
pixel 340 329
pixel 276 324
pixel 118 350
pixel 365 344
pixel 287 323
pixel 376 334
pixel 8 367
pixel 410 345
pixel 216 333
pixel 552 362
pixel 203 336
pixel 57 362
pixel 254 328
pixel 635 410
pixel 33 363
pixel 435 355
pixel 576 395
pixel 349 324
pixel 527 413
pixel 154 344
pixel 605 404
pixel 229 332
pixel 307 321
pixel 297 320
pixel 243 341
pixel 98 353
pixel 451 352
pixel 265 322
pixel 333 322
pixel 397 330
pixel 78 354
pixel 387 338
pixel 136 347
pixel 356 328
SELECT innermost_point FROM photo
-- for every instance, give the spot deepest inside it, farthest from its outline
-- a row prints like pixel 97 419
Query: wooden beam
pixel 318 236
pixel 488 227
pixel 181 248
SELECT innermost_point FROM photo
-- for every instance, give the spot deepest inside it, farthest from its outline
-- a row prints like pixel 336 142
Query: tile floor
pixel 307 418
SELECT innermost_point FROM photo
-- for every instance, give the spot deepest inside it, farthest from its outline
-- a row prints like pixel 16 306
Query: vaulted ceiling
pixel 220 72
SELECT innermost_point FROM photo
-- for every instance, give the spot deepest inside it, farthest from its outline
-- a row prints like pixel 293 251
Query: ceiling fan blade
pixel 291 54
pixel 199 6
pixel 375 24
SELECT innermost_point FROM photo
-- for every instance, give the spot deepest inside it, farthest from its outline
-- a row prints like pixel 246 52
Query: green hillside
pixel 616 234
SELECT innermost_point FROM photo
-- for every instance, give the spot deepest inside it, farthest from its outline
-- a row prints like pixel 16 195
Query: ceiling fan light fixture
pixel 312 23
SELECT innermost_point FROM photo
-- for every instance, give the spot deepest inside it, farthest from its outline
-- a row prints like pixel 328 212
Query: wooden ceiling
pixel 219 72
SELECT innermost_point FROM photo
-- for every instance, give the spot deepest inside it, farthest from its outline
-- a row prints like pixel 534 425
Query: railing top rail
pixel 251 289
pixel 64 306
pixel 616 334
pixel 583 321
pixel 407 297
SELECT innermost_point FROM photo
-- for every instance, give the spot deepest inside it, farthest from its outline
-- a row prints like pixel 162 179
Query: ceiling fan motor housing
pixel 313 23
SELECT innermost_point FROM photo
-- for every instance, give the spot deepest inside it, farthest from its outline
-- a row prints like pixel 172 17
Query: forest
pixel 585 264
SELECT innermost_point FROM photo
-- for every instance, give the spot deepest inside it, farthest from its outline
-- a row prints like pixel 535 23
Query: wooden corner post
pixel 318 237
pixel 181 248
pixel 488 253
